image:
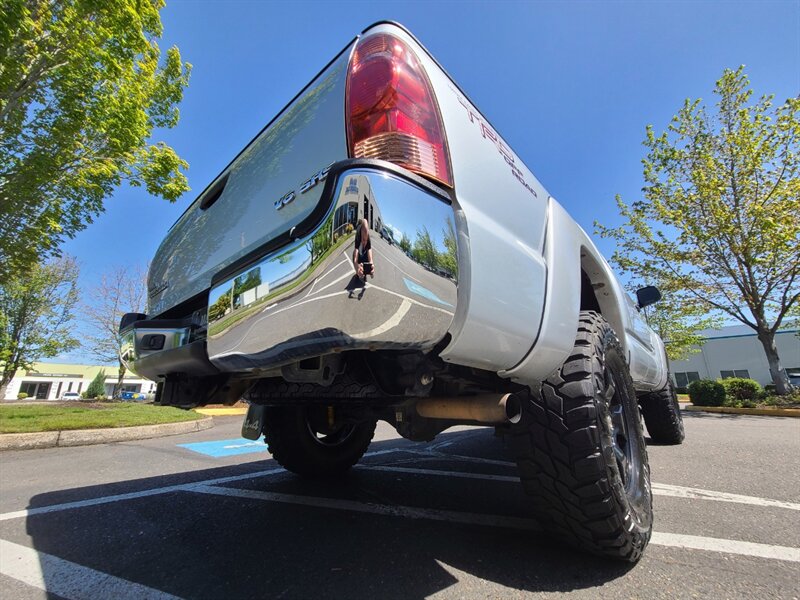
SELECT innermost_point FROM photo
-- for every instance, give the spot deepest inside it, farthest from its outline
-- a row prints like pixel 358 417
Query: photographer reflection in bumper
pixel 362 260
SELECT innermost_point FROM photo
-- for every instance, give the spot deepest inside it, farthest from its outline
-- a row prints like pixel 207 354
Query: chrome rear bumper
pixel 305 300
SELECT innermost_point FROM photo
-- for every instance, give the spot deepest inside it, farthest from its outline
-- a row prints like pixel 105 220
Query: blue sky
pixel 570 85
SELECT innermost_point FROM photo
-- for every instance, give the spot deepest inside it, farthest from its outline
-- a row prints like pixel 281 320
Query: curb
pixel 86 437
pixel 221 412
pixel 759 412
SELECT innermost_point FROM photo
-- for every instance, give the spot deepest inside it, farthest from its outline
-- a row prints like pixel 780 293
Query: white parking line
pixel 391 510
pixel 696 542
pixel 422 304
pixel 29 512
pixel 476 459
pixel 398 267
pixel 436 472
pixel 347 275
pixel 388 324
pixel 19 567
pixel 677 491
pixel 344 261
pixel 315 298
pixel 659 489
pixel 693 542
pixel 319 279
pixel 67 579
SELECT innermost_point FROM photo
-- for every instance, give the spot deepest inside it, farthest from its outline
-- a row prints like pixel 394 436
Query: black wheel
pixel 581 452
pixel 302 440
pixel 662 415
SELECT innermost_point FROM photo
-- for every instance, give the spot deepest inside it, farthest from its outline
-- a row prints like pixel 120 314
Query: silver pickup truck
pixel 379 252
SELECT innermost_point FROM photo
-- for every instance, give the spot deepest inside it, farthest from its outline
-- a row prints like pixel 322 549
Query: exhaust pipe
pixel 485 408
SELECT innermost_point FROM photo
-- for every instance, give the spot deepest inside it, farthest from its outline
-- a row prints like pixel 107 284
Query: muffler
pixel 485 408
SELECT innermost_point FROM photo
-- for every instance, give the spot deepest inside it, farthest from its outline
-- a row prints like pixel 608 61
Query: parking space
pixel 194 517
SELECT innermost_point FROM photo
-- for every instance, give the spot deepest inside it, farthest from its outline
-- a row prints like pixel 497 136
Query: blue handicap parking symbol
pixel 233 447
pixel 424 292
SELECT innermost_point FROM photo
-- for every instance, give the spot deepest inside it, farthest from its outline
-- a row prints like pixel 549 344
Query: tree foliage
pixel 82 86
pixel 678 320
pixel 449 258
pixel 405 244
pixel 35 315
pixel 424 249
pixel 97 386
pixel 720 218
pixel 121 290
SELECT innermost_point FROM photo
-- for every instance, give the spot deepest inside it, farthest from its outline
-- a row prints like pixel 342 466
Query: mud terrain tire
pixel 662 415
pixel 297 447
pixel 581 452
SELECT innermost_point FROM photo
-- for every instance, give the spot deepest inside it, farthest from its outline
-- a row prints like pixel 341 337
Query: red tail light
pixel 391 110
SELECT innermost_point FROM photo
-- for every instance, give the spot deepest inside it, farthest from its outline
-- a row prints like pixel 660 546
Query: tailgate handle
pixel 214 192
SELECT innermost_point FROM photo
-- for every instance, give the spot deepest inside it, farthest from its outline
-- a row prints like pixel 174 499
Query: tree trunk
pixel 5 379
pixel 779 377
pixel 118 386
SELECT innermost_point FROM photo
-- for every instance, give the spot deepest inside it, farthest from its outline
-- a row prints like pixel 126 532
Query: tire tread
pixel 560 459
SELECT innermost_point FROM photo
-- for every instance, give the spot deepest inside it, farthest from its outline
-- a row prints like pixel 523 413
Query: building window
pixel 29 388
pixel 35 389
pixel 682 380
pixel 743 373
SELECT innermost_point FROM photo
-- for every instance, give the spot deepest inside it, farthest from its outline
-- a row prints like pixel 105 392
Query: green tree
pixel 405 244
pixel 220 307
pixel 97 387
pixel 35 315
pixel 720 218
pixel 424 250
pixel 321 242
pixel 82 86
pixel 678 319
pixel 449 258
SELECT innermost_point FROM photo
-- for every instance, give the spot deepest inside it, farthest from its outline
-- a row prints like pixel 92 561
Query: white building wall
pixel 739 351
pixel 69 383
pixel 53 394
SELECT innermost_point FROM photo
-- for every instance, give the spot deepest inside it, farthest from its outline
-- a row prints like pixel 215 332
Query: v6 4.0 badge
pixel 289 197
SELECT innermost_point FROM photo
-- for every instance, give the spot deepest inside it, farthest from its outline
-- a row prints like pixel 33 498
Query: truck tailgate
pixel 239 211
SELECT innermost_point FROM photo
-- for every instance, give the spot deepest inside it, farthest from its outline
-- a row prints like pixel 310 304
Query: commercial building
pixel 48 381
pixel 736 352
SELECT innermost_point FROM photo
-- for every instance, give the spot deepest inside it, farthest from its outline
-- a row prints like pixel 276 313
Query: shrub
pixel 22 396
pixel 706 392
pixel 791 399
pixel 681 390
pixel 738 389
pixel 747 404
pixel 98 385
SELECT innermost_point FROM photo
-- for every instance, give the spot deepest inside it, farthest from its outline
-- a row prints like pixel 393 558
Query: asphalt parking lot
pixel 207 515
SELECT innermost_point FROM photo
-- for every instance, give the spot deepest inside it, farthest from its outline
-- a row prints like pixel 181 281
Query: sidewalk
pixel 86 437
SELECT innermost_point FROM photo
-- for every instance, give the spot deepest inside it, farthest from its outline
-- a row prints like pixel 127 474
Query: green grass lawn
pixel 28 419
